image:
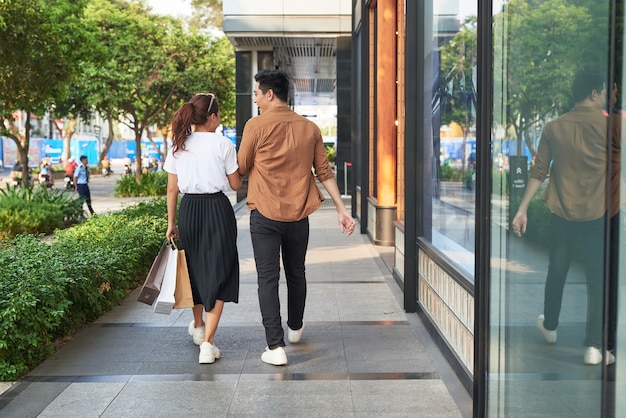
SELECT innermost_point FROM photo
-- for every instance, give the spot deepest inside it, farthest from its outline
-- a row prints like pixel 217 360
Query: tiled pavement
pixel 360 354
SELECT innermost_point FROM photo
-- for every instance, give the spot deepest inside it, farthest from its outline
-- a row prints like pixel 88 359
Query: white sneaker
pixel 592 356
pixel 276 357
pixel 196 333
pixel 294 335
pixel 207 353
pixel 609 358
pixel 549 335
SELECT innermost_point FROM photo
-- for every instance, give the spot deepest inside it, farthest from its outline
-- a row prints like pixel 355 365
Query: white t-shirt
pixel 204 164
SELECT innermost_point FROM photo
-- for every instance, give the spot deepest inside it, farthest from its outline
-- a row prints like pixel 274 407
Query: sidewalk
pixel 360 354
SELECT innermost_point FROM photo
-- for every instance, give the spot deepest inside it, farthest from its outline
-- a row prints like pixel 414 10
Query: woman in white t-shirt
pixel 202 165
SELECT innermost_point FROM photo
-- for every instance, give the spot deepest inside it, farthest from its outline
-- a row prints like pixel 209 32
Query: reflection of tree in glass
pixel 541 44
pixel 458 90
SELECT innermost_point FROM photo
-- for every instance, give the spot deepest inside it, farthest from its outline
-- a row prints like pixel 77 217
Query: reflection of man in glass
pixel 573 150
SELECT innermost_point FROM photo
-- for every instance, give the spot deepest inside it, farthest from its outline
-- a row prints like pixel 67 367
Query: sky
pixel 171 7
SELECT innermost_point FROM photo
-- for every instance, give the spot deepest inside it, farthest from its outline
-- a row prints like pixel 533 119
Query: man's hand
pixel 346 223
pixel 519 223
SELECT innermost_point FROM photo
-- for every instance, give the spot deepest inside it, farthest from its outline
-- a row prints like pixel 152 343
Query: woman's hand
pixel 172 233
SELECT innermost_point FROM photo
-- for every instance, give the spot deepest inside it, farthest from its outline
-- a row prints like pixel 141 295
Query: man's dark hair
pixel 585 81
pixel 277 80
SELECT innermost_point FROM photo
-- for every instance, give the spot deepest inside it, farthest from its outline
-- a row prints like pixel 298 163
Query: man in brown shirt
pixel 278 151
pixel 573 150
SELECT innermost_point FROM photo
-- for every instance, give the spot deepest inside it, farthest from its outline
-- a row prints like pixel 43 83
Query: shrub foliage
pixel 49 289
pixel 151 184
pixel 36 209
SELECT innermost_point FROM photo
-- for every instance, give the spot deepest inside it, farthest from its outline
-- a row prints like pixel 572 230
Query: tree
pixel 40 41
pixel 548 40
pixel 458 93
pixel 206 14
pixel 152 65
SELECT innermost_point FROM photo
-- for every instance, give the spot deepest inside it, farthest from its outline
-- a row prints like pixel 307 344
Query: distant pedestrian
pixel 278 151
pixel 203 165
pixel 81 180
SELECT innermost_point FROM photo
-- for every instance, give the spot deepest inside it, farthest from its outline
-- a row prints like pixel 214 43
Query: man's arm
pixel 346 222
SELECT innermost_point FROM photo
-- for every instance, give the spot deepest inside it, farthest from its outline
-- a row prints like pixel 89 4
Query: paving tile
pixel 31 398
pixel 292 399
pixel 397 398
pixel 172 399
pixel 83 400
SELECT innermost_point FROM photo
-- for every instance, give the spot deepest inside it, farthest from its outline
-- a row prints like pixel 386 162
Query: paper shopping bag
pixel 165 301
pixel 182 295
pixel 152 285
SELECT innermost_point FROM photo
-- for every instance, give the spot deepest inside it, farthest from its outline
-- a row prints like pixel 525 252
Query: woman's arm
pixel 172 202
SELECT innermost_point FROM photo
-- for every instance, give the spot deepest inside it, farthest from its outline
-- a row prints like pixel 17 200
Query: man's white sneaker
pixel 276 357
pixel 609 358
pixel 196 333
pixel 294 335
pixel 592 356
pixel 549 335
pixel 207 353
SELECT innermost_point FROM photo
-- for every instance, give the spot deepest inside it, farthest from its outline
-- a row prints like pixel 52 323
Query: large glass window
pixel 454 131
pixel 550 144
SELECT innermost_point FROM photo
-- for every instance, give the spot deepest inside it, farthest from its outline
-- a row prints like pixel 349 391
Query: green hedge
pixel 151 184
pixel 50 288
pixel 36 209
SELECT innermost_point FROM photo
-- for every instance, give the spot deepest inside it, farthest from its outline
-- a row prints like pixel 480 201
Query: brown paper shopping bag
pixel 182 295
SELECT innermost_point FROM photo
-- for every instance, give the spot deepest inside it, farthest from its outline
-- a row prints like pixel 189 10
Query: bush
pixel 450 174
pixel 36 209
pixel 151 184
pixel 330 153
pixel 47 290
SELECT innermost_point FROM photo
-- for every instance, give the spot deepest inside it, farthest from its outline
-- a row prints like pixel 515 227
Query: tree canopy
pixel 538 47
pixel 113 57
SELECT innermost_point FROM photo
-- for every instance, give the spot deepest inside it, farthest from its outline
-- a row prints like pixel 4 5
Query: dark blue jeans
pixel 85 194
pixel 270 239
pixel 568 239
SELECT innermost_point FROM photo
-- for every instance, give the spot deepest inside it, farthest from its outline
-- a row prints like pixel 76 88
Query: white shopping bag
pixel 165 301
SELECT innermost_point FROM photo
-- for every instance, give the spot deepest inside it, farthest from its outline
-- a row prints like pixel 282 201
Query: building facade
pixel 451 101
pixel 441 107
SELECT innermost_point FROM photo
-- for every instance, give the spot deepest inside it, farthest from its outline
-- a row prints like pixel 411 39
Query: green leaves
pixel 36 210
pixel 150 184
pixel 49 289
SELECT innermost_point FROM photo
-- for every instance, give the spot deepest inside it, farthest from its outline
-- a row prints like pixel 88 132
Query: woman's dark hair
pixel 277 80
pixel 194 112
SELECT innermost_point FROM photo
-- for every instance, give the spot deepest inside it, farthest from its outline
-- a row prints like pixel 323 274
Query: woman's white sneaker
pixel 207 353
pixel 196 333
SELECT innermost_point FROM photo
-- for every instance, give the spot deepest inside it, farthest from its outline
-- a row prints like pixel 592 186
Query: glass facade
pixel 550 345
pixel 453 104
pixel 514 173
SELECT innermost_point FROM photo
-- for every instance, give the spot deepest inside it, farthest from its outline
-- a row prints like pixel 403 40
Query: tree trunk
pixel 67 139
pixel 138 132
pixel 22 142
pixel 107 145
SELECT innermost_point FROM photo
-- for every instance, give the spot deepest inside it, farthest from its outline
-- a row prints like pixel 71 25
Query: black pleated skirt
pixel 208 234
